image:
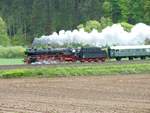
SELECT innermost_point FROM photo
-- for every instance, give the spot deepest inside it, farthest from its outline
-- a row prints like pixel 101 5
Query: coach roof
pixel 131 47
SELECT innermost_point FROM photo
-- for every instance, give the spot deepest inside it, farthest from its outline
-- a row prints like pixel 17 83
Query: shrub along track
pixel 105 94
pixel 7 67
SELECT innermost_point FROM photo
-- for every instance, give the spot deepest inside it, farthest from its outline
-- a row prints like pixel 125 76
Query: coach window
pixel 147 50
pixel 129 50
pixel 117 50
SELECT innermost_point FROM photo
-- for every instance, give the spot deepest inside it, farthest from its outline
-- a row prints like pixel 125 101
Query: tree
pixel 147 11
pixel 124 7
pixel 4 40
pixel 116 11
pixel 90 9
pixel 136 11
pixel 27 19
pixel 38 18
pixel 107 9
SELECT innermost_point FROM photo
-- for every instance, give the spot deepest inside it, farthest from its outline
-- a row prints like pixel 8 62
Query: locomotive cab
pixel 92 54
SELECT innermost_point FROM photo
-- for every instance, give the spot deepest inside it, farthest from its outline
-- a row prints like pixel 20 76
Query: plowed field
pixel 109 94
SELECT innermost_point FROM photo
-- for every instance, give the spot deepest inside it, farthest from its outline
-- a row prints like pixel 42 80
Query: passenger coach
pixel 131 52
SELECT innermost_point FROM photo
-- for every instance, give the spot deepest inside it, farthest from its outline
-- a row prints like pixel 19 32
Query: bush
pixel 147 41
pixel 94 24
pixel 12 52
pixel 19 40
pixel 126 26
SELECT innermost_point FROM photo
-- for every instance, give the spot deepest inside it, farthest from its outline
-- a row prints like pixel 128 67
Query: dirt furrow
pixel 105 94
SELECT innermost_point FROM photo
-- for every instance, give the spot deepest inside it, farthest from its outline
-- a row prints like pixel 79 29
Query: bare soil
pixel 109 94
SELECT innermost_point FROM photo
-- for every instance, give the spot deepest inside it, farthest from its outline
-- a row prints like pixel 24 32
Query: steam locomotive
pixel 89 54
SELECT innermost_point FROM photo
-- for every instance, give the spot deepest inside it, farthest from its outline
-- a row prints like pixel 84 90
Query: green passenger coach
pixel 131 52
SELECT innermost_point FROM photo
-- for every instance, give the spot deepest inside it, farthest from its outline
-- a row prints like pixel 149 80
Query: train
pixel 85 54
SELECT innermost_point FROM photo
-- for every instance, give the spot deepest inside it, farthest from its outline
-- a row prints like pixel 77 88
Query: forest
pixel 23 20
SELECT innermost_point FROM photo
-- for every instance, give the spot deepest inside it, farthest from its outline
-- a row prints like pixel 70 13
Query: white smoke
pixel 114 35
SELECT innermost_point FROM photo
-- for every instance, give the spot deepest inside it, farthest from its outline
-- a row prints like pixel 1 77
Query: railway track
pixel 123 62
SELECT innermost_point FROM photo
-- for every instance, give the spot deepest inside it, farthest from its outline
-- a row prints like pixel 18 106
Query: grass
pixel 90 70
pixel 11 61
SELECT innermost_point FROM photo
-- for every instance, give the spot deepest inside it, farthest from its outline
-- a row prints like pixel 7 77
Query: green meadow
pixel 78 70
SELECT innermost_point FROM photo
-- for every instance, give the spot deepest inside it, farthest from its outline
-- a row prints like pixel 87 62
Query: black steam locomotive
pixel 51 55
pixel 90 54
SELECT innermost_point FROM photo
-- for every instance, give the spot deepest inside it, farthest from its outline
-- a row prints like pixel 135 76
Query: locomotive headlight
pixel 73 50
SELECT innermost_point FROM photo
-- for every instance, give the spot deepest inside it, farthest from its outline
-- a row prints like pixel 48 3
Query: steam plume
pixel 112 35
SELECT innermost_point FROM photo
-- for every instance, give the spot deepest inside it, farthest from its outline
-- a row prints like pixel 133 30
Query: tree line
pixel 26 19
